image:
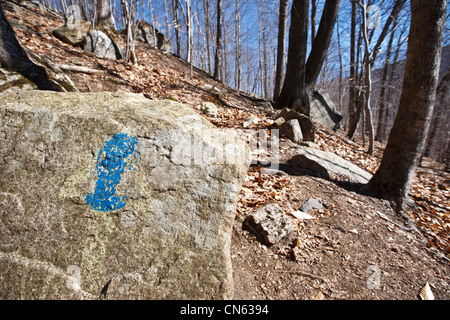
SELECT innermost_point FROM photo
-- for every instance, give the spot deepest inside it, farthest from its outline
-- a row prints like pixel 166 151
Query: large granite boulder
pixel 102 45
pixel 111 195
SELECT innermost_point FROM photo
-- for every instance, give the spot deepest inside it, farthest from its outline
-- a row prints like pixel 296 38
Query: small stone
pixel 291 130
pixel 269 224
pixel 210 109
pixel 311 204
pixel 302 215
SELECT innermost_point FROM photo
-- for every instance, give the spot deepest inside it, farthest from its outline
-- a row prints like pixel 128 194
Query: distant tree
pixel 394 177
pixel 14 57
pixel 356 103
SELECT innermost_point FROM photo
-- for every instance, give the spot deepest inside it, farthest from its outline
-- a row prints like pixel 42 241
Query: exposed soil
pixel 349 251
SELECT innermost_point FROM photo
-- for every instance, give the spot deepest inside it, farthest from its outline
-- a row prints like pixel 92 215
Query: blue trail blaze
pixel 111 163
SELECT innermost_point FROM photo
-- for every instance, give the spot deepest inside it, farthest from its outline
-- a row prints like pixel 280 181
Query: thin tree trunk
pixel 394 177
pixel 352 80
pixel 218 72
pixel 281 49
pixel 341 68
pixel 128 13
pixel 176 18
pixel 208 35
pixel 237 35
pixel 382 105
pixel 313 20
pixel 321 43
pixel 359 101
pixel 189 31
pixel 368 56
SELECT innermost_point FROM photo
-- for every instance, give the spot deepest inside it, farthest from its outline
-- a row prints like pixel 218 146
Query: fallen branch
pixel 66 67
pixel 394 223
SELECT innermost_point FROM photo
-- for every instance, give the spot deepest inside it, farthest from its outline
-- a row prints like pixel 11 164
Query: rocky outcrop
pixel 146 33
pixel 115 196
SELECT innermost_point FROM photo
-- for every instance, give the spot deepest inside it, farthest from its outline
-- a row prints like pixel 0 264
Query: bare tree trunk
pixel 218 72
pixel 352 80
pixel 281 50
pixel 293 94
pixel 321 43
pixel 368 56
pixel 128 13
pixel 189 31
pixel 355 116
pixel 440 114
pixel 176 18
pixel 14 57
pixel 406 141
pixel 382 100
pixel 313 20
pixel 341 68
pixel 359 101
pixel 237 35
pixel 208 35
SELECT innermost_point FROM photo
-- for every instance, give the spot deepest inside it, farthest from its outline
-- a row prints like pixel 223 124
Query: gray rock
pixel 99 43
pixel 311 204
pixel 112 192
pixel 306 124
pixel 291 130
pixel 323 110
pixel 74 33
pixel 270 224
pixel 210 109
pixel 325 164
pixel 148 34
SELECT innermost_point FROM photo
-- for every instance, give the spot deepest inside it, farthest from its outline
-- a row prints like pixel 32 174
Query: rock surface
pixel 270 224
pixel 291 130
pixel 148 34
pixel 323 110
pixel 210 109
pixel 115 195
pixel 99 43
pixel 325 164
pixel 74 33
pixel 306 124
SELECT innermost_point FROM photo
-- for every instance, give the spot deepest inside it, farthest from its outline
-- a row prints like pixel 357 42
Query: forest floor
pixel 355 248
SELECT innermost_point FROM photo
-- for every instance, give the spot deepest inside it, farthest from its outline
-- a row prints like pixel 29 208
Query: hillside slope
pixel 353 240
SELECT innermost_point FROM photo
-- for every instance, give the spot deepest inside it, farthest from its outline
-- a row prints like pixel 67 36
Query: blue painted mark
pixel 111 163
